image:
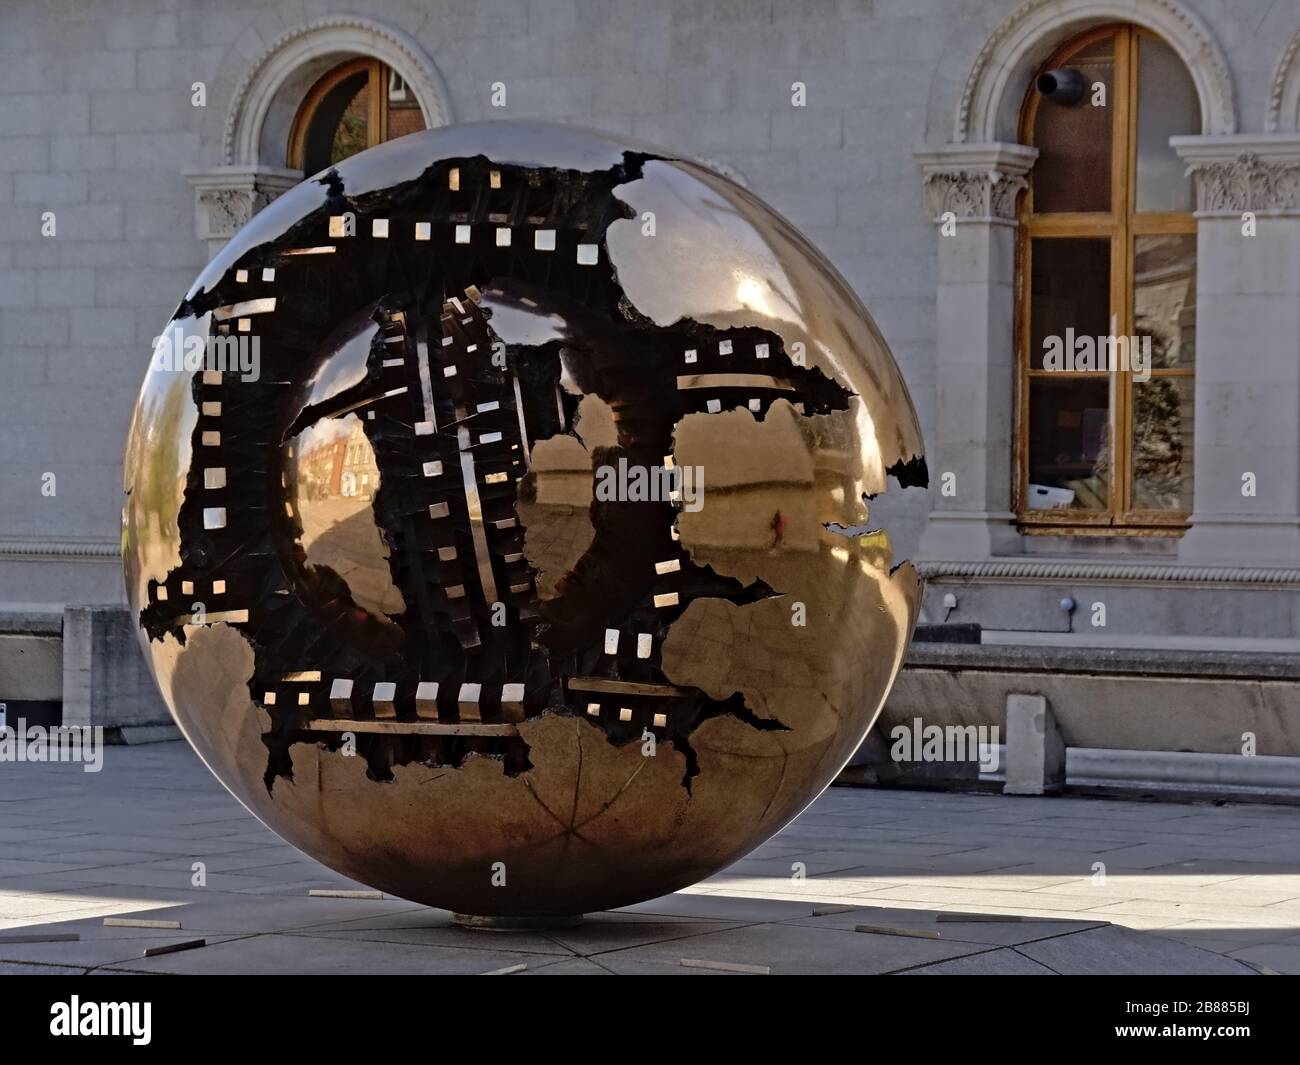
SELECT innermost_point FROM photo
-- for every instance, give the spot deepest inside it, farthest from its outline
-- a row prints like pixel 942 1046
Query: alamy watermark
pixel 176 352
pixel 631 483
pixel 59 743
pixel 77 1018
pixel 1081 354
pixel 916 742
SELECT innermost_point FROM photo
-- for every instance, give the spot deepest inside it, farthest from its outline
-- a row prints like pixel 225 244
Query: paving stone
pixel 1279 957
pixel 24 969
pixel 992 933
pixel 281 954
pixel 91 950
pixel 1287 921
pixel 121 843
pixel 1122 951
pixel 280 866
pixel 693 904
pixel 10 868
pixel 1220 939
pixel 1003 962
pixel 1171 888
pixel 790 949
pixel 972 898
pixel 435 928
pixel 605 932
pixel 1013 878
pixel 156 844
pixel 205 910
pixel 37 906
pixel 571 967
pixel 139 876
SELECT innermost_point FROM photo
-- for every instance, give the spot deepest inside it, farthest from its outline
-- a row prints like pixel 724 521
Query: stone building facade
pixel 905 161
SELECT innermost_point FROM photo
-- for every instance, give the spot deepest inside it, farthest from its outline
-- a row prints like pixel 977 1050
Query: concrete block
pixel 149 151
pixel 45 113
pixel 85 153
pixel 33 328
pixel 37 253
pixel 96 72
pixel 1035 749
pixel 30 667
pixel 25 154
pixel 134 735
pixel 103 326
pixel 65 288
pixel 99 221
pixel 152 30
pixel 801 128
pixel 105 680
pixel 135 111
pixel 1121 711
pixel 17 289
pixel 98 579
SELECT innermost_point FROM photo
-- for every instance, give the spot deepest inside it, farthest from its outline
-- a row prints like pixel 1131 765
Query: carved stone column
pixel 972 191
pixel 1246 445
pixel 226 197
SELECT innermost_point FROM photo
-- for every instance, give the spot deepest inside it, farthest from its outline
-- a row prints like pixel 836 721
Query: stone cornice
pixel 975 182
pixel 1258 173
pixel 227 197
pixel 1025 569
pixel 60 550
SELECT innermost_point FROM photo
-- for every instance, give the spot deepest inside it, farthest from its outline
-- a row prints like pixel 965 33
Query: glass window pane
pixel 1069 443
pixel 1162 444
pixel 1069 296
pixel 351 135
pixel 1164 299
pixel 404 114
pixel 1167 106
pixel 338 125
pixel 1072 172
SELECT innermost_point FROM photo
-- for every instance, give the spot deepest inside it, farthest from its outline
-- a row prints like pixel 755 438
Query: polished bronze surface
pixel 529 571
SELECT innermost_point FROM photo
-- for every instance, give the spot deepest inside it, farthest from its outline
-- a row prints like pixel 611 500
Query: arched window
pixel 353 107
pixel 1107 291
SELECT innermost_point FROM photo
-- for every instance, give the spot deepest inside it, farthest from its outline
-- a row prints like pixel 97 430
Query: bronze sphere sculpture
pixel 497 519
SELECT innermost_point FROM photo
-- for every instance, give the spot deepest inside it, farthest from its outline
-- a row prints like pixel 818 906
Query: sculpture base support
pixel 1035 748
pixel 515 921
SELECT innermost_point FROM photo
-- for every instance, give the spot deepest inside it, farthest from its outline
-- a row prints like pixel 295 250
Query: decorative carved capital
pixel 1236 174
pixel 227 197
pixel 983 195
pixel 221 212
pixel 976 183
pixel 1246 183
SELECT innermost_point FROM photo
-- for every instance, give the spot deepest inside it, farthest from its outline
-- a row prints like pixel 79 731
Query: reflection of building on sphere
pixel 343 465
pixel 412 554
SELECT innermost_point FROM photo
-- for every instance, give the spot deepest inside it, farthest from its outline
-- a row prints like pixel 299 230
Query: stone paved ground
pixel 1184 886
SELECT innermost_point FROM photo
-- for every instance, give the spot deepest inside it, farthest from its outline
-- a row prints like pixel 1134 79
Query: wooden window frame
pixel 376 118
pixel 1122 226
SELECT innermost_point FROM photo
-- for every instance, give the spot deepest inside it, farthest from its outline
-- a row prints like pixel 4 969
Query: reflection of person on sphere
pixel 778 529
